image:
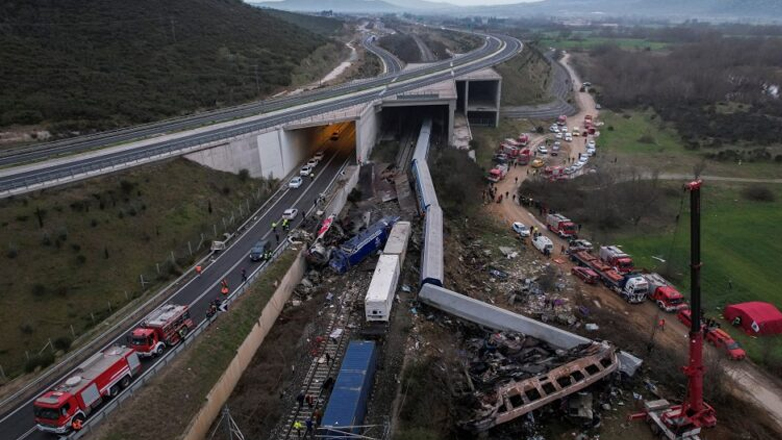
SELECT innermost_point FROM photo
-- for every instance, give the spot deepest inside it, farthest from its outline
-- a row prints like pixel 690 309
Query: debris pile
pixel 510 374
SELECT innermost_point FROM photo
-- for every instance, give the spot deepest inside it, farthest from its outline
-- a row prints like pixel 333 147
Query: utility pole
pixel 229 424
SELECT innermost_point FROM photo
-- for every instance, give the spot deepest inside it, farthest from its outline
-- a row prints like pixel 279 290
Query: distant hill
pixel 314 23
pixel 85 65
pixel 339 6
pixel 702 9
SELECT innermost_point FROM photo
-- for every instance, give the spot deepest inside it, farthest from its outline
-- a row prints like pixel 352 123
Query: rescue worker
pixel 310 425
pixel 198 270
pixel 224 286
pixel 661 324
pixel 298 426
pixel 244 275
pixel 274 226
pixel 300 399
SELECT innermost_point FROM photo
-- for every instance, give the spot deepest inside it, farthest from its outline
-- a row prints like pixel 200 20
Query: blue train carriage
pixel 347 404
pixel 353 251
pixel 432 264
pixel 421 151
pixel 424 188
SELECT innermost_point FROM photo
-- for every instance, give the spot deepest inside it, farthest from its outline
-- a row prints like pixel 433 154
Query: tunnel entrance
pixel 400 125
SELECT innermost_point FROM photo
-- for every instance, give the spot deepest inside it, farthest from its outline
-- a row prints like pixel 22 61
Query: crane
pixel 685 421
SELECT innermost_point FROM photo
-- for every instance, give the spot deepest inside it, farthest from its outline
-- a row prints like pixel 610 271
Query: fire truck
pixel 617 258
pixel 560 225
pixel 65 407
pixel 165 327
pixel 664 294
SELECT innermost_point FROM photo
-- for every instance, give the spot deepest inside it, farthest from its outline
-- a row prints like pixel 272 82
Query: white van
pixel 541 243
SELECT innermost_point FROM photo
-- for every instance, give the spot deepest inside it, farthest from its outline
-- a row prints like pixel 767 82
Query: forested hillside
pixel 79 65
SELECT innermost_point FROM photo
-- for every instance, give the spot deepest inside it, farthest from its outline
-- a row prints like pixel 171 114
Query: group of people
pixel 312 422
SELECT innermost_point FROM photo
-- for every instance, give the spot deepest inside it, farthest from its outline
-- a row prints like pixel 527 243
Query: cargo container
pixel 397 241
pixel 347 404
pixel 359 247
pixel 382 288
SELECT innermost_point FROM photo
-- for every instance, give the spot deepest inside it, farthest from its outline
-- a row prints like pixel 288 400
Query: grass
pixel 525 79
pixel 314 23
pixel 174 396
pixel 735 247
pixel 318 63
pixel 640 138
pixel 97 238
pixel 592 42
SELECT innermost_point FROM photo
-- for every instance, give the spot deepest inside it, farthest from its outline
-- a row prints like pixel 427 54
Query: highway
pixel 498 48
pixel 391 63
pixel 19 423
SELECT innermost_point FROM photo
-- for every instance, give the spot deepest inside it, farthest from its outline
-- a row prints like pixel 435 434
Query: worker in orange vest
pixel 198 270
pixel 224 288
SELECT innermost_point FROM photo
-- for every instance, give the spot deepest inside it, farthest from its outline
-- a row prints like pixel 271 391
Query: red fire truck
pixel 616 258
pixel 65 407
pixel 560 225
pixel 165 327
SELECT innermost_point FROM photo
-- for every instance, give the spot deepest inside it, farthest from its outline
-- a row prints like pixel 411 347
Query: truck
pixel 632 287
pixel 382 289
pixel 524 156
pixel 560 225
pixel 523 139
pixel 665 295
pixel 497 173
pixel 347 404
pixel 562 120
pixel 165 327
pixel 353 251
pixel 66 406
pixel 617 258
pixel 716 336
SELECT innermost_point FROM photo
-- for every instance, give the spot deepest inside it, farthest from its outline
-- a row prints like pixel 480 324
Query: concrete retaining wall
pixel 367 127
pixel 341 194
pixel 199 426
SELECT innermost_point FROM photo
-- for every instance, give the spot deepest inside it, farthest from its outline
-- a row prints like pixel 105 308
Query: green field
pixel 82 260
pixel 737 247
pixel 641 139
pixel 592 42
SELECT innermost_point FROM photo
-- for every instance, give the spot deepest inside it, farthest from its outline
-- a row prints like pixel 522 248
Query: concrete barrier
pixel 199 427
pixel 341 194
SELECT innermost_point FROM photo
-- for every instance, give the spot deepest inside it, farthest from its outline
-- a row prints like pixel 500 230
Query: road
pixel 19 423
pixel 391 64
pixel 559 89
pixel 498 48
pixel 426 54
pixel 752 384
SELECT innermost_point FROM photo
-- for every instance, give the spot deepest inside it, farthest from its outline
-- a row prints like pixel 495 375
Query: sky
pixel 453 2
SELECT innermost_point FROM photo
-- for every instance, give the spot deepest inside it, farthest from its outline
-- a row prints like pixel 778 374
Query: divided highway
pixel 19 423
pixel 498 48
pixel 390 61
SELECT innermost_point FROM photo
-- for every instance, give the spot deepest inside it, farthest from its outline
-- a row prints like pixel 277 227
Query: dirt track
pixel 752 383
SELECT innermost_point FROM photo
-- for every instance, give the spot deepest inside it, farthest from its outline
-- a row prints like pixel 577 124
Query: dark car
pixel 261 251
pixel 585 274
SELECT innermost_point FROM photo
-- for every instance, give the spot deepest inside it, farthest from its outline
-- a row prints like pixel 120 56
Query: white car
pixel 558 136
pixel 554 129
pixel 290 214
pixel 305 171
pixel 568 138
pixel 295 182
pixel 591 152
pixel 312 162
pixel 319 156
pixel 591 144
pixel 521 229
pixel 583 160
pixel 555 149
pixel 542 150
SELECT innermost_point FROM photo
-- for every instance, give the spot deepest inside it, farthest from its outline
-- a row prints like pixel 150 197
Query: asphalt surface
pixel 20 424
pixel 49 172
pixel 392 63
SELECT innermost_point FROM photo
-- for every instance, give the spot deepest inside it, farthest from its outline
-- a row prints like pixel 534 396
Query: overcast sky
pixel 454 2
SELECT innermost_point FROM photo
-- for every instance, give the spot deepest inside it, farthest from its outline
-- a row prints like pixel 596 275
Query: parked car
pixel 319 156
pixel 295 182
pixel 585 274
pixel 554 129
pixel 521 229
pixel 591 151
pixel 542 150
pixel 591 143
pixel 537 163
pixel 558 136
pixel 290 214
pixel 335 136
pixel 500 158
pixel 568 138
pixel 305 171
pixel 555 150
pixel 312 162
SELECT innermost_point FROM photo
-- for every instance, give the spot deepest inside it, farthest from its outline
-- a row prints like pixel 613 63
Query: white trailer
pixel 382 288
pixel 397 241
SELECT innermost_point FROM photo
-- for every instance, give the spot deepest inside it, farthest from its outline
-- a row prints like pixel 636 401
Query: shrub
pixel 43 361
pixel 39 289
pixel 13 251
pixel 62 343
pixel 758 193
pixel 81 259
pixel 46 240
pixel 244 174
pixel 26 329
pixel 126 186
pixel 94 223
pixel 647 139
pixel 62 234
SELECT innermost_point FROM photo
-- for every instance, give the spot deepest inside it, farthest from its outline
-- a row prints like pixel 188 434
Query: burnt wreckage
pixel 510 375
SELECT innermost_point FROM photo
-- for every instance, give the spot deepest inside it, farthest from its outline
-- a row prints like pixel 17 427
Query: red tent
pixel 756 318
